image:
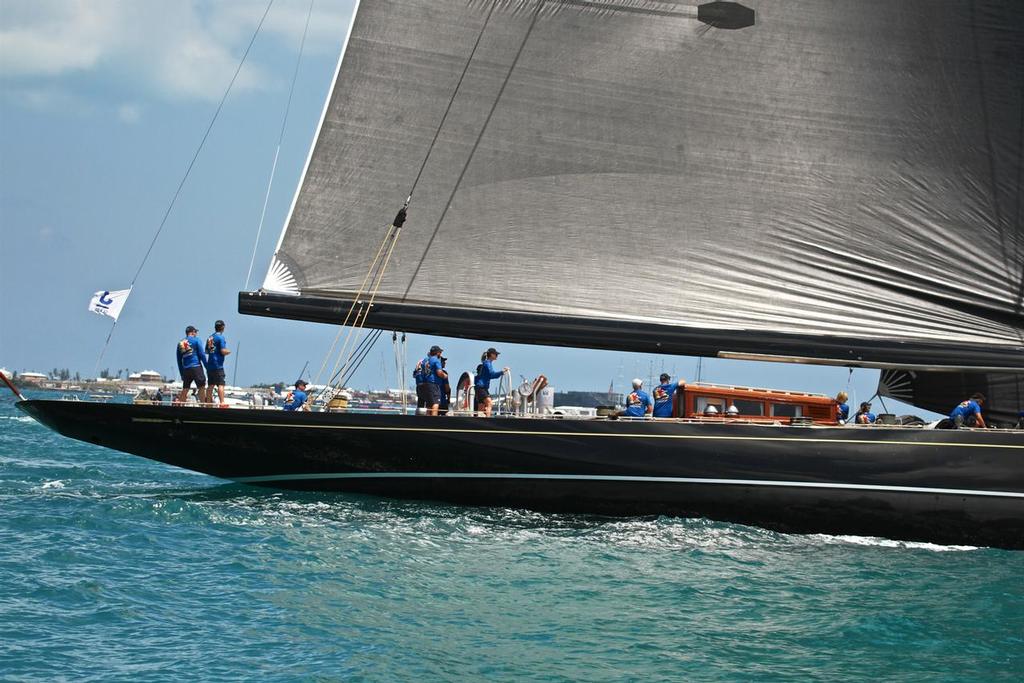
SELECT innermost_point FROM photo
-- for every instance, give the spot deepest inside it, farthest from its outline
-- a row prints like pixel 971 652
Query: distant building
pixel 32 377
pixel 146 376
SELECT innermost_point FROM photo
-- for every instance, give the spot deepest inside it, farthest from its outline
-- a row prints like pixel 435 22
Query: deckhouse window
pixel 702 403
pixel 748 407
pixel 786 410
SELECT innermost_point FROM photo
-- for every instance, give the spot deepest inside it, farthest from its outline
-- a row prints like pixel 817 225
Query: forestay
pixel 842 179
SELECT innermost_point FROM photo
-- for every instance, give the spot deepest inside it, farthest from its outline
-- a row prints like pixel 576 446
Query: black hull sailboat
pixel 943 486
pixel 765 179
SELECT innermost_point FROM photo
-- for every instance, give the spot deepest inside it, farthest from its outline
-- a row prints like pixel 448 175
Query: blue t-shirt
pixel 870 416
pixel 190 353
pixel 215 343
pixel 637 403
pixel 434 365
pixel 295 399
pixel 966 409
pixel 417 372
pixel 485 372
pixel 663 394
pixel 843 412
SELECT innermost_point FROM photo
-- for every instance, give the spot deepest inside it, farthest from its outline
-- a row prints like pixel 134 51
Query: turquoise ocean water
pixel 114 567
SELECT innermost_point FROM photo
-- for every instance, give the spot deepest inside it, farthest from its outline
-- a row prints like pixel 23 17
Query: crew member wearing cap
pixel 216 349
pixel 296 399
pixel 663 395
pixel 638 403
pixel 864 416
pixel 968 413
pixel 190 364
pixel 430 380
pixel 485 372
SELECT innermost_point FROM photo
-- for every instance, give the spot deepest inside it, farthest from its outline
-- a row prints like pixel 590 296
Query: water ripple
pixel 115 567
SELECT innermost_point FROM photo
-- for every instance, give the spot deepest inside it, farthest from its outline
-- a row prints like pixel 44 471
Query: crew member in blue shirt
pixel 638 403
pixel 446 389
pixel 485 372
pixel 422 392
pixel 190 364
pixel 296 399
pixel 864 416
pixel 842 407
pixel 216 349
pixel 430 377
pixel 968 413
pixel 663 395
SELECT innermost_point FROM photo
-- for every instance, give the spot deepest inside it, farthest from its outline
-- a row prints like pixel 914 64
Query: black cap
pixel 864 405
pixel 665 377
pixel 493 350
pixel 300 383
pixel 190 328
pixel 219 325
pixel 443 359
pixel 435 349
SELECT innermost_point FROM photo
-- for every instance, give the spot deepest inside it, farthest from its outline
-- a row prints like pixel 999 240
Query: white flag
pixel 109 303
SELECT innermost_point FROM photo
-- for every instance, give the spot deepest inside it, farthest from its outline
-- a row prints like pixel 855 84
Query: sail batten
pixel 830 171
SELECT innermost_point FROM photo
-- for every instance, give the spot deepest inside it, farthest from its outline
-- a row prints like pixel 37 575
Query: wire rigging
pixel 375 273
pixel 188 170
pixel 280 139
pixel 476 144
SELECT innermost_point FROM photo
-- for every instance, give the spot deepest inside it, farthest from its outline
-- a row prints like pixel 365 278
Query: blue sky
pixel 102 105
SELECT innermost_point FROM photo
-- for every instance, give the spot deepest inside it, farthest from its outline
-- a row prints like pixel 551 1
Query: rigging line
pixel 472 151
pixel 371 340
pixel 451 100
pixel 363 311
pixel 280 139
pixel 203 141
pixel 354 366
pixel 188 171
pixel 355 302
pixel 380 278
pixel 328 388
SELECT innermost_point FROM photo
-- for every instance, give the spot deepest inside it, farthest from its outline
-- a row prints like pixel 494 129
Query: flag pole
pixel 96 372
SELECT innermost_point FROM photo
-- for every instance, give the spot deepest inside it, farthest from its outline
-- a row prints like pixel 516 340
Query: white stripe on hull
pixel 607 477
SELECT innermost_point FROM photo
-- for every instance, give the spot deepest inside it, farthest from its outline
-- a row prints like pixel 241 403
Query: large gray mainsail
pixel 839 180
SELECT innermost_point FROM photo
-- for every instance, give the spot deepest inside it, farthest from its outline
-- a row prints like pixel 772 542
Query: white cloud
pixel 129 113
pixel 183 49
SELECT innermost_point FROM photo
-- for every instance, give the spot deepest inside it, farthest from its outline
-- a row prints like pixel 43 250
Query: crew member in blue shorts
pixel 485 372
pixel 216 349
pixel 864 416
pixel 968 413
pixel 638 403
pixel 190 364
pixel 664 394
pixel 296 399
